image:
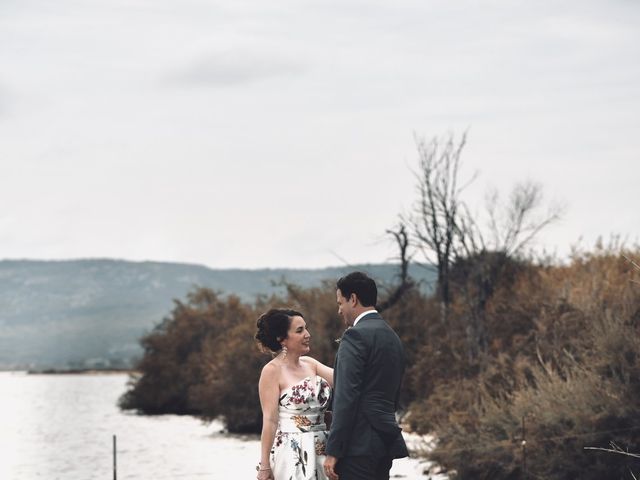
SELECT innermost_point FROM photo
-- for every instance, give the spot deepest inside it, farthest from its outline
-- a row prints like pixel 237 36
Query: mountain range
pixel 91 313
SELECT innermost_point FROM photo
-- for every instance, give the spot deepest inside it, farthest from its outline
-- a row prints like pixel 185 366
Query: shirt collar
pixel 362 315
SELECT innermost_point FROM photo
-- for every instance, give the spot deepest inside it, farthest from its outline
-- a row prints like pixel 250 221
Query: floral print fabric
pixel 299 447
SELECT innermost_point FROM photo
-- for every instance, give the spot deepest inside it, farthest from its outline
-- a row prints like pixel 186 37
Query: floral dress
pixel 299 446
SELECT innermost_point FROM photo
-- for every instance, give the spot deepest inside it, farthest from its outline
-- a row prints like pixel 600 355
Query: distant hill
pixel 91 313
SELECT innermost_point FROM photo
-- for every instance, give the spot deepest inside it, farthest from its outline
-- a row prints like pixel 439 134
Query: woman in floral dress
pixel 294 394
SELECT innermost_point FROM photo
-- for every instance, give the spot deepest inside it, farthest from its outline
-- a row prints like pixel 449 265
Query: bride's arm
pixel 269 392
pixel 322 370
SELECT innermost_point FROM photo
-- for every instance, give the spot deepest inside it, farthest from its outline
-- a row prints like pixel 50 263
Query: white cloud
pixel 237 67
pixel 253 134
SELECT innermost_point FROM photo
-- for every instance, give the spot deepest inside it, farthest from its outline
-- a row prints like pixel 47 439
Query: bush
pixel 180 355
pixel 573 377
pixel 203 359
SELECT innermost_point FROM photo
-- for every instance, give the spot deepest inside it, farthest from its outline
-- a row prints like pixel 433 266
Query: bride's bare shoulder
pixel 310 361
pixel 270 370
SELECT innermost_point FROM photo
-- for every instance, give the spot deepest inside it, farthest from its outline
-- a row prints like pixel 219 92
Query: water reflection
pixel 61 427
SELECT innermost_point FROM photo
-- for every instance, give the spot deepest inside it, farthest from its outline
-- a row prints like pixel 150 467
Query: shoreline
pixel 78 371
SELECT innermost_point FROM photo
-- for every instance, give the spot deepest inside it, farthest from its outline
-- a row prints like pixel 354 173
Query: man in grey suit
pixel 365 436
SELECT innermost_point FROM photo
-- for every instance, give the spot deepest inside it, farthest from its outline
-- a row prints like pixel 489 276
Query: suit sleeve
pixel 352 357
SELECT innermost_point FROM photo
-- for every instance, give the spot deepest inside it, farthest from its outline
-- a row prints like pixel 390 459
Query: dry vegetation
pixel 561 353
pixel 564 359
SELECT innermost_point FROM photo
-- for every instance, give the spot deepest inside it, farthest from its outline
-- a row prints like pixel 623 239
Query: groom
pixel 364 437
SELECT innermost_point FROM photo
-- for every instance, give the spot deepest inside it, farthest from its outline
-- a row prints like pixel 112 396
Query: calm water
pixel 61 427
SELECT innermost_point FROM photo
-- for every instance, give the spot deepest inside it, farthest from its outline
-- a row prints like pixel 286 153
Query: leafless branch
pixel 406 282
pixel 436 222
pixel 615 448
pixel 631 261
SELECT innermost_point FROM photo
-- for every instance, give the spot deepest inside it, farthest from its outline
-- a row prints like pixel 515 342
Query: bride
pixel 294 394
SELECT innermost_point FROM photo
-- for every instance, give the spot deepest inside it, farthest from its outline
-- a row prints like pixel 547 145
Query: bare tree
pixel 401 238
pixel 449 235
pixel 519 224
pixel 435 220
pixel 510 227
pixel 489 251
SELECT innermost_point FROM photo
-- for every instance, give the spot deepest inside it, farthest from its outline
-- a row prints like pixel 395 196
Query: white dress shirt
pixel 362 315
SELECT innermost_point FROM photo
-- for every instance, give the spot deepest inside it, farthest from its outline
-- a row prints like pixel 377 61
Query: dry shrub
pixel 229 390
pixel 574 378
pixel 203 359
pixel 177 353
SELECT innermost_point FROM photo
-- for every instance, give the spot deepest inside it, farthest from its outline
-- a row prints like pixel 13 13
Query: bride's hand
pixel 265 474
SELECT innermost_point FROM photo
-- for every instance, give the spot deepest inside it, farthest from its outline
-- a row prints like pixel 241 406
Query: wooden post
pixel 524 450
pixel 115 471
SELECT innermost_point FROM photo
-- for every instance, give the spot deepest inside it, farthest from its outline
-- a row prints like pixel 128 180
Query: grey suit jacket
pixel 367 376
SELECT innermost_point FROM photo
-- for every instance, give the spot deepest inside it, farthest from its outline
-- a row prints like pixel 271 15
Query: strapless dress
pixel 298 451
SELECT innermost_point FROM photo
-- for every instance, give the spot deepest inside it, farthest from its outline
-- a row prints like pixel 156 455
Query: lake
pixel 61 427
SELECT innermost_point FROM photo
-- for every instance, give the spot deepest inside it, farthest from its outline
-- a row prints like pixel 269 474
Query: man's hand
pixel 330 467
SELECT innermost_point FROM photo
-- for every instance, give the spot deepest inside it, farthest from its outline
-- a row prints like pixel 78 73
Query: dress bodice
pixel 299 444
pixel 301 406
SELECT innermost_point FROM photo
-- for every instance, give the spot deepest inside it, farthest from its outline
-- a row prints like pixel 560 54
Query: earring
pixel 284 352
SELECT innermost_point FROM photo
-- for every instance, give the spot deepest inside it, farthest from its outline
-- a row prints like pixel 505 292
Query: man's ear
pixel 354 298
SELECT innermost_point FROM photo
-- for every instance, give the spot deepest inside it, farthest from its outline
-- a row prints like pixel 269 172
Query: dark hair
pixel 273 327
pixel 360 284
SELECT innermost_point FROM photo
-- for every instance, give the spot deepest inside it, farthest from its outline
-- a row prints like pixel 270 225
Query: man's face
pixel 346 308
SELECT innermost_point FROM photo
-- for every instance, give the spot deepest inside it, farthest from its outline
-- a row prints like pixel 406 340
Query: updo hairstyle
pixel 273 327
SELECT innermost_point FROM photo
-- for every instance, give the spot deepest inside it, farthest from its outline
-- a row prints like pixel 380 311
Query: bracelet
pixel 258 469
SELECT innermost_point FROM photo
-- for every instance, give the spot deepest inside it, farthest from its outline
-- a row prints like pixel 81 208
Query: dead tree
pixel 448 234
pixel 436 213
pixel 406 282
pixel 489 253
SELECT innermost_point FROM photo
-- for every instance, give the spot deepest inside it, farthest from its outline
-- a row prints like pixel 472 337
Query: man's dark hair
pixel 360 284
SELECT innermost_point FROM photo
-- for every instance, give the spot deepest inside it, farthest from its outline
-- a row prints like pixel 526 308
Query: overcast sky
pixel 271 134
